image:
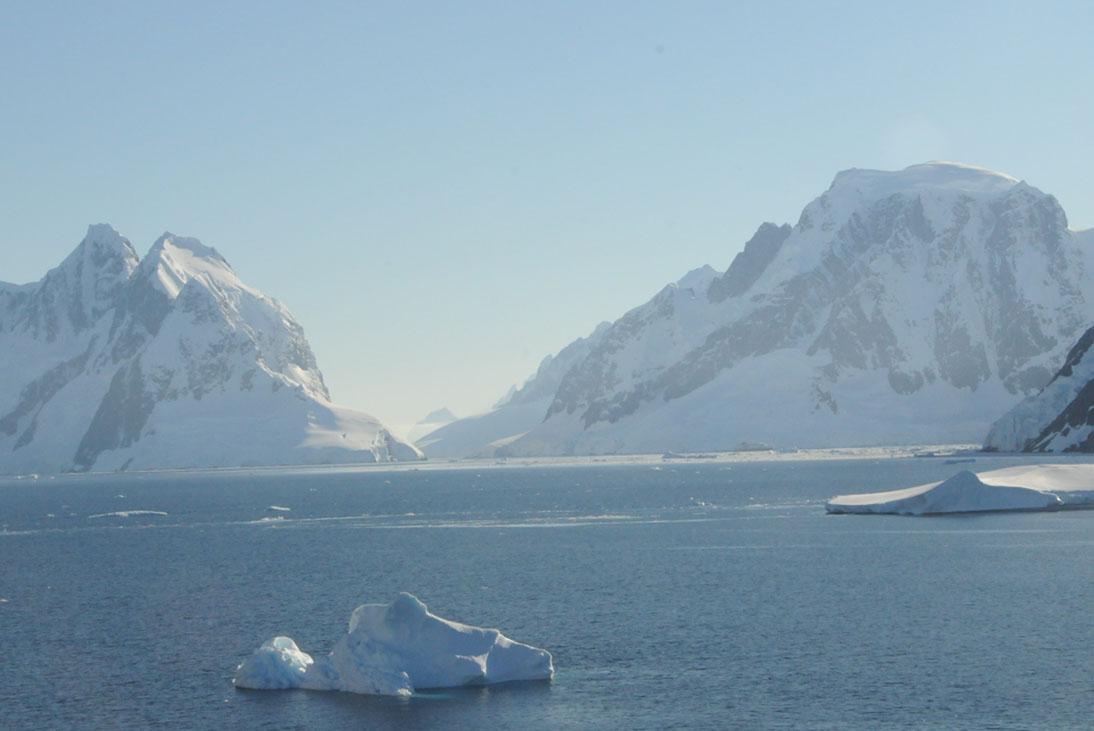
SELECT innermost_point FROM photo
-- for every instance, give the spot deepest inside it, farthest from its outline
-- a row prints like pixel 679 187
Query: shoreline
pixel 963 452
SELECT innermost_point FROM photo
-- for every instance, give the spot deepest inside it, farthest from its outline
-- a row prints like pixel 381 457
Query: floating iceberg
pixel 1031 487
pixel 395 649
pixel 129 514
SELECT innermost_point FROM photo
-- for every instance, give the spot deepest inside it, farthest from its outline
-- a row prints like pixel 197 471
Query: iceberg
pixel 128 514
pixel 279 663
pixel 396 649
pixel 1030 487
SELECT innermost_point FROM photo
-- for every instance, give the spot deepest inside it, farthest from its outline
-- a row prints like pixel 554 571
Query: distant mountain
pixel 115 362
pixel 515 414
pixel 442 415
pixel 903 307
pixel 1060 418
pixel 432 421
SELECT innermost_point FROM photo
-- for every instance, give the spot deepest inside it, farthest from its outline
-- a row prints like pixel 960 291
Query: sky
pixel 443 193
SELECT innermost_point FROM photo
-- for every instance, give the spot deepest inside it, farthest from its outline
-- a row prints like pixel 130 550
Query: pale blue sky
pixel 445 192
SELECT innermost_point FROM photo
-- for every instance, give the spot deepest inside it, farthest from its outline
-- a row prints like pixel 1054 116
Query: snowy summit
pixel 113 362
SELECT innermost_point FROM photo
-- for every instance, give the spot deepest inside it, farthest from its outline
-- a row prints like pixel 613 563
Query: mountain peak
pixel 101 242
pixel 192 246
pixel 72 295
pixel 174 260
pixel 442 415
pixel 939 174
pixel 102 232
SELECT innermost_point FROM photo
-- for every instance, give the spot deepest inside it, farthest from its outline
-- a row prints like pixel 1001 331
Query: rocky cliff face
pixel 168 361
pixel 907 306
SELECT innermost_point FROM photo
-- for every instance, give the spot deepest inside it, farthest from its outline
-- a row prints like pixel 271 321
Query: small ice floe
pixel 396 649
pixel 1032 487
pixel 3 600
pixel 279 508
pixel 129 514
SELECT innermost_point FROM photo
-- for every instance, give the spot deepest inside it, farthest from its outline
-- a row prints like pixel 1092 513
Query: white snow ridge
pixel 1033 487
pixel 396 649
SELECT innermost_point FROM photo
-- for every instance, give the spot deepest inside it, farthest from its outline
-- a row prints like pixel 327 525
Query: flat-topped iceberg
pixel 1030 487
pixel 395 649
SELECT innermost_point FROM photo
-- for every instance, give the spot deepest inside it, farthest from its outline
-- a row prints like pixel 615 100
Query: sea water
pixel 682 594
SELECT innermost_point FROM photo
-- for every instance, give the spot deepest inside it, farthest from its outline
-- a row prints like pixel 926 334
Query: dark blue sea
pixel 682 595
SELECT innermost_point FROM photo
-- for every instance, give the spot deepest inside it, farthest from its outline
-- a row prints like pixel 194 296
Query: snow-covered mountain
pixel 115 362
pixel 907 306
pixel 1058 419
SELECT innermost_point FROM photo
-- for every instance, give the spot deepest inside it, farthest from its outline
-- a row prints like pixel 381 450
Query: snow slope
pixel 902 307
pixel 1033 487
pixel 395 649
pixel 114 362
pixel 1060 418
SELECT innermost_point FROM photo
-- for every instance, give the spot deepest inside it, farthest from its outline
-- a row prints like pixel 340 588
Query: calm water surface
pixel 689 595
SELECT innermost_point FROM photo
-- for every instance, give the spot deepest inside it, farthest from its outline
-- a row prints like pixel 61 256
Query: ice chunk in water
pixel 394 649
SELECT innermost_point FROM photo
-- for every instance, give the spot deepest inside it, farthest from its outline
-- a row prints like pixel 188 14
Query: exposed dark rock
pixel 750 263
pixel 120 417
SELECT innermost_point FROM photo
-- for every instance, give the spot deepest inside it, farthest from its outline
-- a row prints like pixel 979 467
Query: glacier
pixel 396 649
pixel 112 362
pixel 1030 487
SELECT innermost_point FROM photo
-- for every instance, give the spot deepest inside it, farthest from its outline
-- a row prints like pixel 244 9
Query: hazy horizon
pixel 444 197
